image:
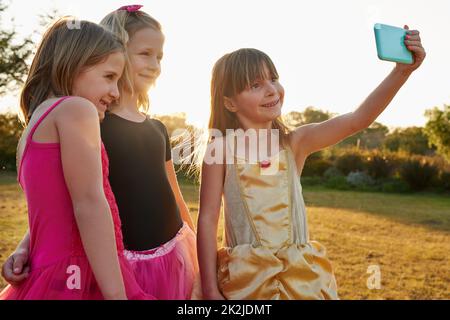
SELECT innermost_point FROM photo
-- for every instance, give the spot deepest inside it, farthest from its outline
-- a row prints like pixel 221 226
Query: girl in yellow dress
pixel 267 253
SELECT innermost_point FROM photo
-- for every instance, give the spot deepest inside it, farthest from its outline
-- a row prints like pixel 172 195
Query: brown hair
pixel 231 75
pixel 65 50
pixel 124 25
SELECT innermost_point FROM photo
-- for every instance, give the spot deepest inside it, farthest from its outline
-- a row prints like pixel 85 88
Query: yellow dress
pixel 267 253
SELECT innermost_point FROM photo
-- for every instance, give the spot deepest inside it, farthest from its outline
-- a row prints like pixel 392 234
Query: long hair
pixel 232 74
pixel 124 25
pixel 64 51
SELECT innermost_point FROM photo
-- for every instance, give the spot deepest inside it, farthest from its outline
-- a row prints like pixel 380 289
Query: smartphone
pixel 390 42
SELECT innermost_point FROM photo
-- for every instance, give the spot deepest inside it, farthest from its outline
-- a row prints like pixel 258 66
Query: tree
pixel 185 150
pixel 438 129
pixel 10 131
pixel 181 134
pixel 310 115
pixel 412 140
pixel 13 66
pixel 369 138
pixel 173 122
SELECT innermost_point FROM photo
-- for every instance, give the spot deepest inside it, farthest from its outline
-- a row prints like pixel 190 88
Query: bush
pixel 360 179
pixel 379 166
pixel 338 182
pixel 332 172
pixel 444 180
pixel 311 181
pixel 418 173
pixel 349 162
pixel 395 185
pixel 315 167
pixel 10 132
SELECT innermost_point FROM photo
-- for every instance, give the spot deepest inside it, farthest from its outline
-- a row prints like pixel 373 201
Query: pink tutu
pixel 69 279
pixel 168 271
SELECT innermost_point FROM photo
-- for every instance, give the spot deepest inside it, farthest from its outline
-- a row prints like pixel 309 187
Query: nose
pixel 154 64
pixel 114 92
pixel 270 88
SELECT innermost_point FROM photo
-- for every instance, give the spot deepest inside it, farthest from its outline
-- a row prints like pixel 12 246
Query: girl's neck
pixel 128 107
pixel 261 126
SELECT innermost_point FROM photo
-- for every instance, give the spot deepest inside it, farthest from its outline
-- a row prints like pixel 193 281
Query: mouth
pixel 271 104
pixel 104 104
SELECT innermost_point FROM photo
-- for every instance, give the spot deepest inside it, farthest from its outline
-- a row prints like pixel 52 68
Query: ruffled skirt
pixel 71 278
pixel 294 272
pixel 168 271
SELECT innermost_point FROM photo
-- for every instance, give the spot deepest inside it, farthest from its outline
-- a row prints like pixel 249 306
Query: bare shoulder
pixel 214 158
pixel 216 151
pixel 75 108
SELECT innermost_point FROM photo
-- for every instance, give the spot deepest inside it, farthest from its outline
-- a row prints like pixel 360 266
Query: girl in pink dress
pixel 158 232
pixel 75 240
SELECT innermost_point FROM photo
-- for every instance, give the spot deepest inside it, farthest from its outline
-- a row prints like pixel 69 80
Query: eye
pixel 254 85
pixel 274 79
pixel 110 76
pixel 146 53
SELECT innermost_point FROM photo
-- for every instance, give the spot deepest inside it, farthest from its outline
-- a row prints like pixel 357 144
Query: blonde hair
pixel 231 75
pixel 65 50
pixel 124 25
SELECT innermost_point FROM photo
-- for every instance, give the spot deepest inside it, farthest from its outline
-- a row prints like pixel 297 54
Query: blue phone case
pixel 391 45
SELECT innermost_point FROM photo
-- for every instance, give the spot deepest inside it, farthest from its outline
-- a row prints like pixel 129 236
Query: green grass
pixel 407 236
pixel 7 178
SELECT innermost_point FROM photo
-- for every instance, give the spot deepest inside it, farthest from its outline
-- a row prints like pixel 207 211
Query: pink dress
pixel 59 267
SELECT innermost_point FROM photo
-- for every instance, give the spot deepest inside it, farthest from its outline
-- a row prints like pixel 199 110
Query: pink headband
pixel 131 8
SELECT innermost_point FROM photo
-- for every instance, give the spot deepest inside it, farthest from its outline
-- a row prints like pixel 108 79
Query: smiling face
pixel 98 83
pixel 145 50
pixel 259 103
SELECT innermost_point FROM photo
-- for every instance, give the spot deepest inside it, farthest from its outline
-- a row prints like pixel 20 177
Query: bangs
pixel 245 67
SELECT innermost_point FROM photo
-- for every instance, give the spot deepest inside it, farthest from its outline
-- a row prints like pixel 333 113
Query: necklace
pixel 264 164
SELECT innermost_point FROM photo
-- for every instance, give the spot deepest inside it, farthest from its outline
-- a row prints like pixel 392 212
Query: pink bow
pixel 131 8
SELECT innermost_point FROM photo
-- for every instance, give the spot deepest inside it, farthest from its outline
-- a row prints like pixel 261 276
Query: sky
pixel 324 50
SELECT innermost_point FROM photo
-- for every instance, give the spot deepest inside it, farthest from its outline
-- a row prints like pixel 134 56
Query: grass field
pixel 406 236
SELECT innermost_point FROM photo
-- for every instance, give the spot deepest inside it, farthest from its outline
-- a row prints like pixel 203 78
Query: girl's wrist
pixel 402 71
pixel 21 250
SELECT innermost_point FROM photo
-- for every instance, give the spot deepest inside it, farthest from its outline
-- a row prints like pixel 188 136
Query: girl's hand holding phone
pixel 414 44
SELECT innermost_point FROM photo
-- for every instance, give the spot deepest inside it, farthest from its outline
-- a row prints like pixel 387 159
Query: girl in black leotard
pixel 157 229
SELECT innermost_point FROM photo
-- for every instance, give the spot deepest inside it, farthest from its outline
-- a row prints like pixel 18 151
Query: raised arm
pixel 315 136
pixel 79 134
